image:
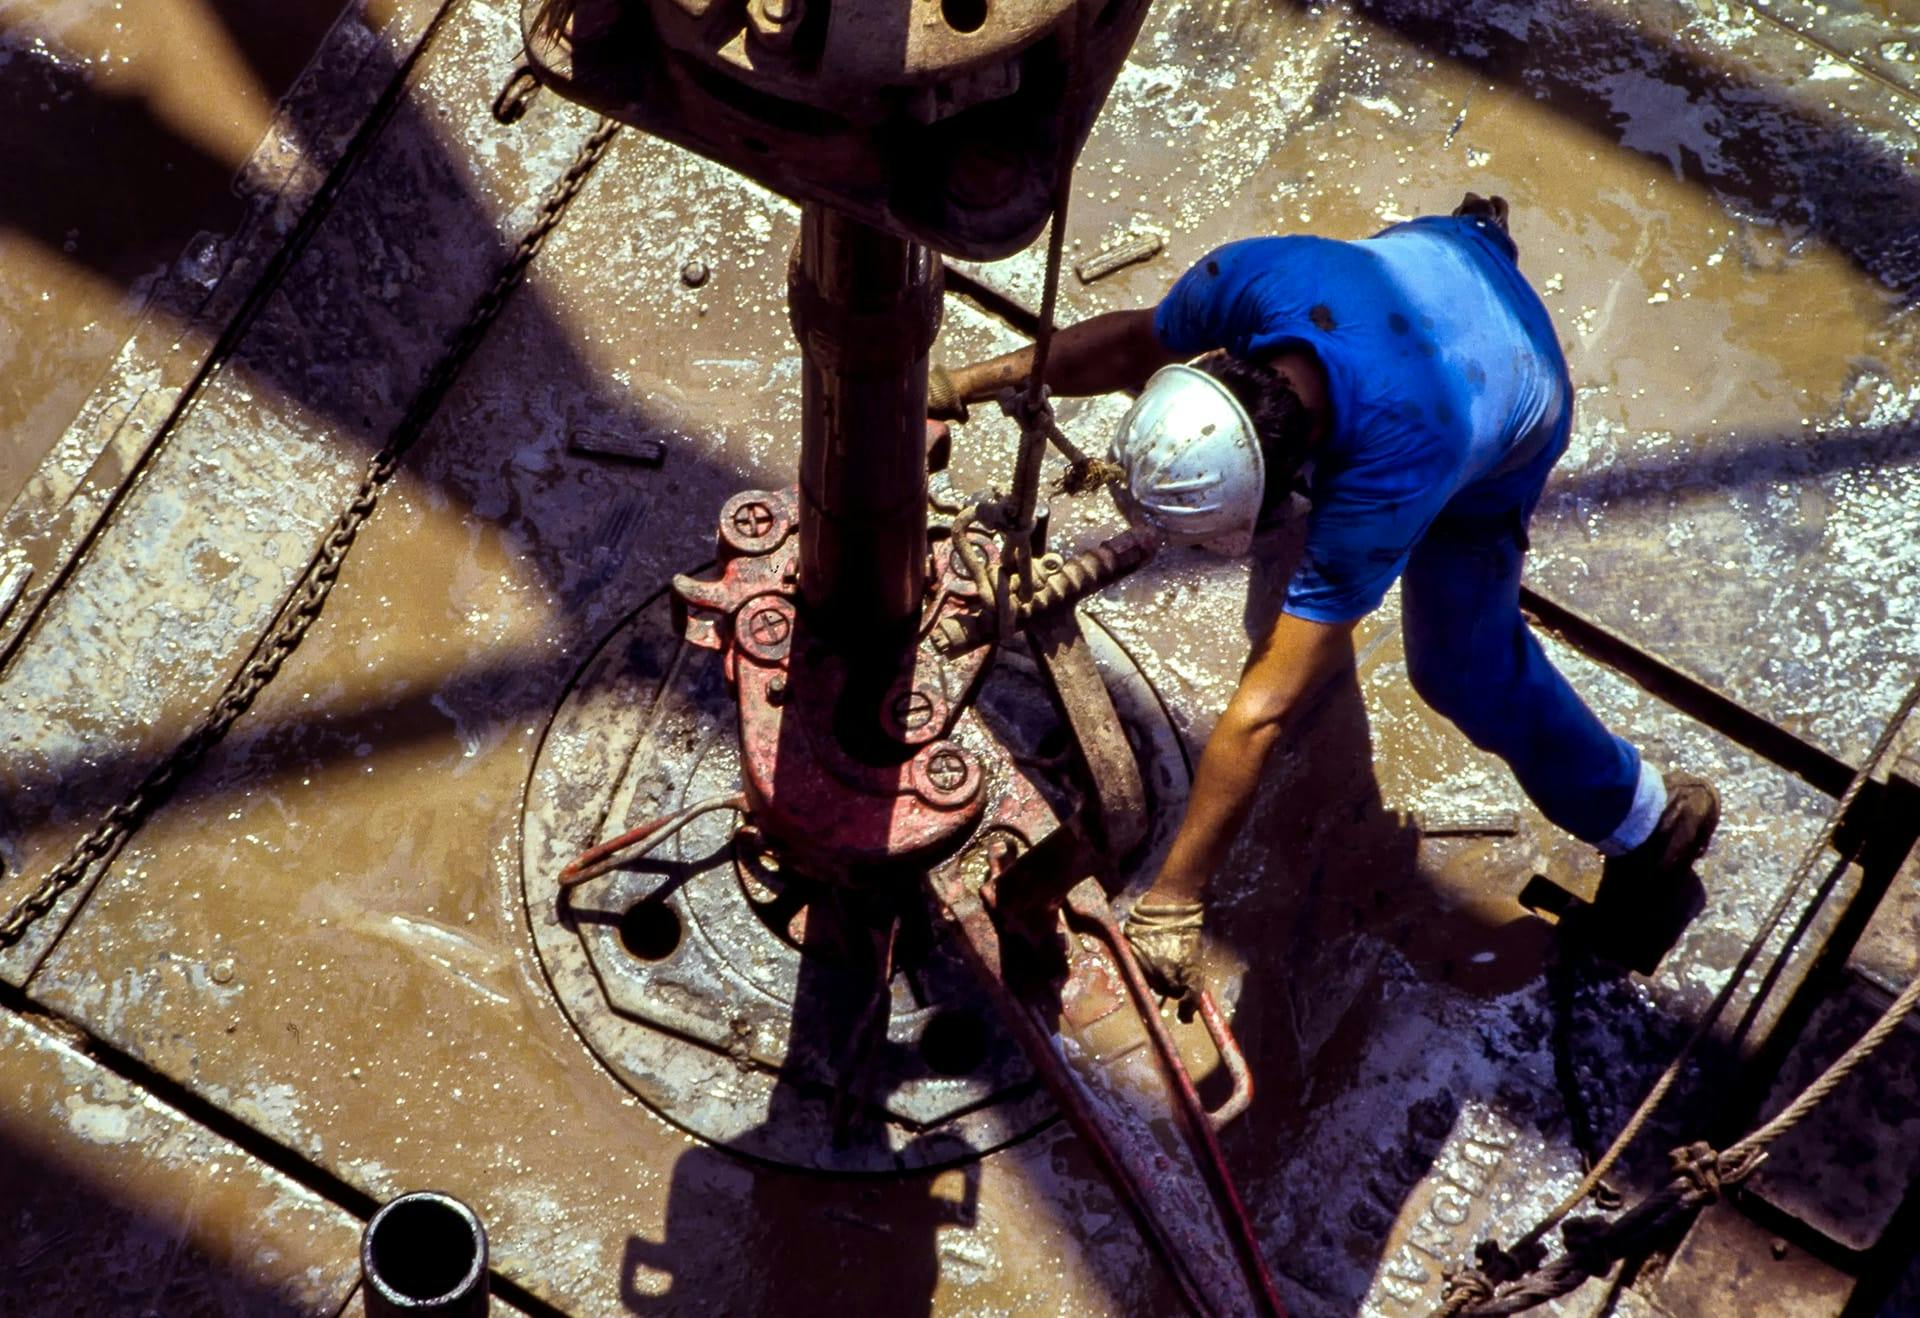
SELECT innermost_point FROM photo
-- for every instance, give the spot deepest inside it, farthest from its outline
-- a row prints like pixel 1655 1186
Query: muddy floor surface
pixel 229 255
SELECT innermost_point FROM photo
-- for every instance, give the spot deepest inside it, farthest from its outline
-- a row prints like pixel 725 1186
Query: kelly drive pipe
pixel 865 306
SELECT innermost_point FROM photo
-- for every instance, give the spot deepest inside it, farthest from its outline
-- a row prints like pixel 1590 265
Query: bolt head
pixel 752 522
pixel 764 629
pixel 913 709
pixel 946 776
pixel 946 770
pixel 753 519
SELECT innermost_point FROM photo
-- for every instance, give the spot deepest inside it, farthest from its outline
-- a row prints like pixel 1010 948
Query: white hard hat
pixel 1192 460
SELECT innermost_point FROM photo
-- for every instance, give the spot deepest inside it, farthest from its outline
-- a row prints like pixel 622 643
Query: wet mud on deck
pixel 321 936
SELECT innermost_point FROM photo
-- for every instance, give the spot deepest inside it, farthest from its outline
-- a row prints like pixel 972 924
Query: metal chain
pixel 303 605
pixel 1564 980
pixel 1028 405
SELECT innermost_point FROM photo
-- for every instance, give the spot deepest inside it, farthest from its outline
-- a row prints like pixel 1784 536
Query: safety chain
pixel 1510 1281
pixel 304 603
pixel 1563 982
pixel 1030 408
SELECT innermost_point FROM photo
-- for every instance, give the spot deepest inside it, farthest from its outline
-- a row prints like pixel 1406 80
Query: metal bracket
pixel 1081 694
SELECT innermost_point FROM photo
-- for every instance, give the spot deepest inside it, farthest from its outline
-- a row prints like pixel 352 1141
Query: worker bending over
pixel 1415 381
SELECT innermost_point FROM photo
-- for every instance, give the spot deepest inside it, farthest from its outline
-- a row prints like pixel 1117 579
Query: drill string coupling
pixel 896 150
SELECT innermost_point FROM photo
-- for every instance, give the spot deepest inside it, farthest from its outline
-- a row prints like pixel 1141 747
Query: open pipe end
pixel 424 1255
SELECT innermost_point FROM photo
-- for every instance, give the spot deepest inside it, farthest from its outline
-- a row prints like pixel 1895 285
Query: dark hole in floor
pixel 650 930
pixel 424 1249
pixel 954 1043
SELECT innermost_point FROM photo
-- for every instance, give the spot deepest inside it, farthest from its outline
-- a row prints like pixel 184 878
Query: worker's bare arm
pixel 1291 667
pixel 1108 352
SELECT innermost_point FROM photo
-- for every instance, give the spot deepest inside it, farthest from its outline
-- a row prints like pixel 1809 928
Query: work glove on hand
pixel 944 402
pixel 1166 940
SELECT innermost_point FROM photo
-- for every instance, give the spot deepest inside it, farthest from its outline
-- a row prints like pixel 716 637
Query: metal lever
pixel 1086 901
pixel 1231 1057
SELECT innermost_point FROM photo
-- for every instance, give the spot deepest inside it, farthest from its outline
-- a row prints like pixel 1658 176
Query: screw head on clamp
pixel 946 770
pixel 752 522
pixel 764 628
pixel 946 776
pixel 912 715
pixel 769 626
pixel 913 709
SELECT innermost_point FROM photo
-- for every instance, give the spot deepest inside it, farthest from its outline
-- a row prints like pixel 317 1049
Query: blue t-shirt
pixel 1443 372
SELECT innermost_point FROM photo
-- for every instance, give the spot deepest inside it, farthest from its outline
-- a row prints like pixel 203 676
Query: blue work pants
pixel 1471 656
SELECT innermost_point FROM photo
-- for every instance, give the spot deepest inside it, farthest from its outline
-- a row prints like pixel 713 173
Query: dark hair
pixel 1281 421
pixel 553 19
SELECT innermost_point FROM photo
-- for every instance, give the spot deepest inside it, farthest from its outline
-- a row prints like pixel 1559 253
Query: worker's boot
pixel 1649 895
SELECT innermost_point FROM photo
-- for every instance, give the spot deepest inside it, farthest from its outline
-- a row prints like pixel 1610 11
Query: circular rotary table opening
pixel 964 15
pixel 955 1042
pixel 723 988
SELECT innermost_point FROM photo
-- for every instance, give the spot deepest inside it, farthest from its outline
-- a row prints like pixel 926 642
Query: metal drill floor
pixel 308 983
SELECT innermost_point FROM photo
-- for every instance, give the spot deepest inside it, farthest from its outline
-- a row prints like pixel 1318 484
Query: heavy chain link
pixel 304 603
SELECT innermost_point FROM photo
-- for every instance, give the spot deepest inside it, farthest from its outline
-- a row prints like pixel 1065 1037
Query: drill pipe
pixel 424 1255
pixel 1077 578
pixel 865 306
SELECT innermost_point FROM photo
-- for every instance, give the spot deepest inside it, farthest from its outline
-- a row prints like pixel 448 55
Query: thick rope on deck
pixel 1512 1281
pixel 1502 1283
pixel 1700 1176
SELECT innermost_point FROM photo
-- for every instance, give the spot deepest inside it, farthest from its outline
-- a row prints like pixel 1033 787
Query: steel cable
pixel 1503 1283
